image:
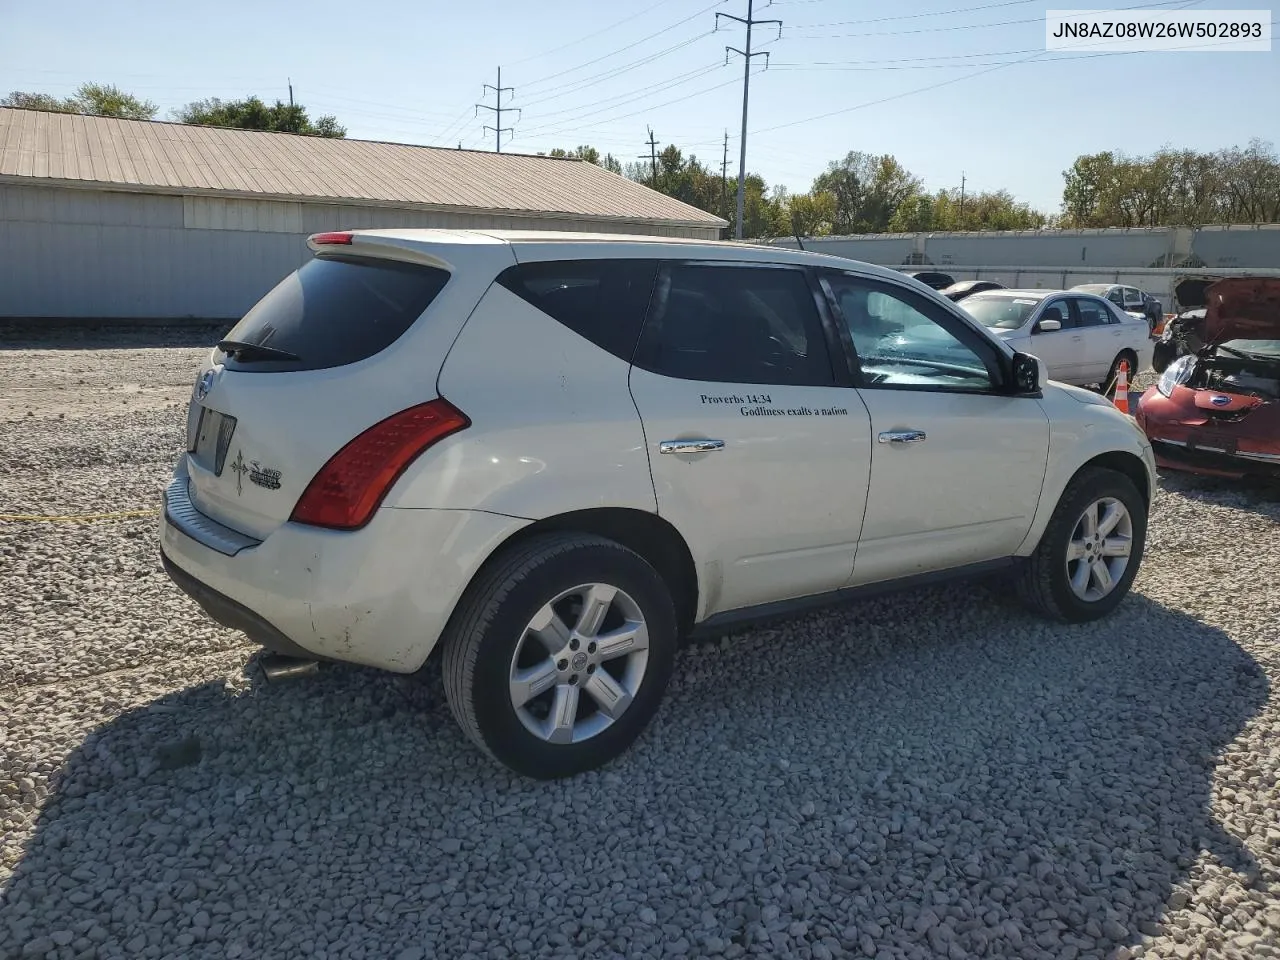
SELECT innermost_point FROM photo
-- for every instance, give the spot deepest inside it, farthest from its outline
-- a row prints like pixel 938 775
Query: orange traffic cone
pixel 1122 388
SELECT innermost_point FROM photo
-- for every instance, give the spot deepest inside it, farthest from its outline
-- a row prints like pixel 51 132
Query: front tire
pixel 1090 552
pixel 558 656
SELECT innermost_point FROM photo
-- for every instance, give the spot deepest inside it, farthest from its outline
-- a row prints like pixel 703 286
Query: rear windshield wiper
pixel 249 352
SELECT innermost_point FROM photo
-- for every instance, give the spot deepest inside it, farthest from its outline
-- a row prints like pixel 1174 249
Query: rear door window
pixel 601 300
pixel 1092 314
pixel 334 311
pixel 735 324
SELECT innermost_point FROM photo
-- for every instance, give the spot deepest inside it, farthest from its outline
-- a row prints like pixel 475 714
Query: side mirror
pixel 1048 326
pixel 1026 373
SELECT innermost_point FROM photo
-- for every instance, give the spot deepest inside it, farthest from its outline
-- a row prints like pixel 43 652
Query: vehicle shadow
pixel 944 778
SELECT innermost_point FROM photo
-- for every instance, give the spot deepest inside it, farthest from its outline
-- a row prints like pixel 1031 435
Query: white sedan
pixel 1080 337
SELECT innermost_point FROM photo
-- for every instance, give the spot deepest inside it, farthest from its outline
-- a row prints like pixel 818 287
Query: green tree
pixel 591 155
pixel 93 99
pixel 1173 188
pixel 253 114
pixel 808 214
pixel 108 100
pixel 867 189
pixel 38 101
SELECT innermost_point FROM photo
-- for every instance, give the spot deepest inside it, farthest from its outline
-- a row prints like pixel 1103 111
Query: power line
pixel 498 111
pixel 573 86
pixel 914 16
pixel 653 159
pixel 613 53
pixel 579 128
pixel 746 55
pixel 959 26
pixel 590 36
pixel 919 16
pixel 724 176
pixel 623 99
pixel 1183 4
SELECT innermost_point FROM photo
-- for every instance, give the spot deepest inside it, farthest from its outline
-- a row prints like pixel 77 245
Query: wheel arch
pixel 1124 463
pixel 651 536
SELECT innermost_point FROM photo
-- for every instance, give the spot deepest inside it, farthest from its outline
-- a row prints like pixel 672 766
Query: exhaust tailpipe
pixel 278 667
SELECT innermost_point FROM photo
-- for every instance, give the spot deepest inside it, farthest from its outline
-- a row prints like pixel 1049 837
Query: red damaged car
pixel 1216 409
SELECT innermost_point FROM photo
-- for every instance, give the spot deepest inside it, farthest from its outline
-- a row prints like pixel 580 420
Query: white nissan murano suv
pixel 549 456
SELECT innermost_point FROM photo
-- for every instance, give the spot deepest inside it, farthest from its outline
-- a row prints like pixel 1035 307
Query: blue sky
pixel 590 72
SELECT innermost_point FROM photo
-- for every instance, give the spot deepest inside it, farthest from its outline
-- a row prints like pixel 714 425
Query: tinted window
pixel 1092 314
pixel 903 341
pixel 601 300
pixel 336 310
pixel 1058 310
pixel 735 325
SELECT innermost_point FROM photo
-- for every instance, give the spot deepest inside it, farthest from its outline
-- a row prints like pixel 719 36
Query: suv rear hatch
pixel 354 336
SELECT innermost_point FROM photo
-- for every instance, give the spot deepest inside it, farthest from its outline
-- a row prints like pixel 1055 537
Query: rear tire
pixel 553 713
pixel 1051 582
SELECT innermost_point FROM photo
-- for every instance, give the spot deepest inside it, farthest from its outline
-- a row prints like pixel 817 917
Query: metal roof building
pixel 132 219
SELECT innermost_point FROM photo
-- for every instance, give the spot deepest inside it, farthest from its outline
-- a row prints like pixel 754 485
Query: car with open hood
pixel 1216 408
pixel 1183 333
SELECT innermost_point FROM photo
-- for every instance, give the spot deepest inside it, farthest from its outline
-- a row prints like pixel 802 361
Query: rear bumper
pixel 379 596
pixel 235 616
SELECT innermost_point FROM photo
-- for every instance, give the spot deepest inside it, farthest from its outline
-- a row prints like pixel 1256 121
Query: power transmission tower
pixel 499 110
pixel 653 158
pixel 961 199
pixel 746 55
pixel 724 176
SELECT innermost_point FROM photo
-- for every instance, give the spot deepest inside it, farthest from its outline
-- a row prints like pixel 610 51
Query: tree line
pixel 857 194
pixel 251 113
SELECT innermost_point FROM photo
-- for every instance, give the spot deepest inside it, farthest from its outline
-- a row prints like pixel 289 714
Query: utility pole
pixel 724 176
pixel 746 55
pixel 653 159
pixel 499 110
pixel 290 79
pixel 961 199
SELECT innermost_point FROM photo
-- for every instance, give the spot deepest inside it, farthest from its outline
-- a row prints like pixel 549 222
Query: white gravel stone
pixel 944 777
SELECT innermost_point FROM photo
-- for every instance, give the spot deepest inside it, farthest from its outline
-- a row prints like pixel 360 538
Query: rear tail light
pixel 349 488
pixel 328 238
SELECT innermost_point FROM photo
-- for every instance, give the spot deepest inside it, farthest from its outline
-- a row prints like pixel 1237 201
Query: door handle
pixel 690 446
pixel 901 436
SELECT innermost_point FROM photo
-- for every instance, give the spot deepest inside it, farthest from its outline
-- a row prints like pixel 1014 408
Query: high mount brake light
pixel 351 486
pixel 331 238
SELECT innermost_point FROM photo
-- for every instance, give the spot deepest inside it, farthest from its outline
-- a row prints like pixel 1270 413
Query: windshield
pixel 999 313
pixel 1255 348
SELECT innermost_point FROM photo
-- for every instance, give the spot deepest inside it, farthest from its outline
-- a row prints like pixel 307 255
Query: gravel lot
pixel 937 775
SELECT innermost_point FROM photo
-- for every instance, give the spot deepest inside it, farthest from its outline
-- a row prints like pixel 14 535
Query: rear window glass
pixel 334 311
pixel 601 300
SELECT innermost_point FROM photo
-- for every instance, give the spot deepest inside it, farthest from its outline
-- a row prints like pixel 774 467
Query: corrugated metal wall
pixel 1215 246
pixel 72 253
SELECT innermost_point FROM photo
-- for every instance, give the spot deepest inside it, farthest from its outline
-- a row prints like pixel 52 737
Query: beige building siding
pixel 126 219
pixel 96 254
